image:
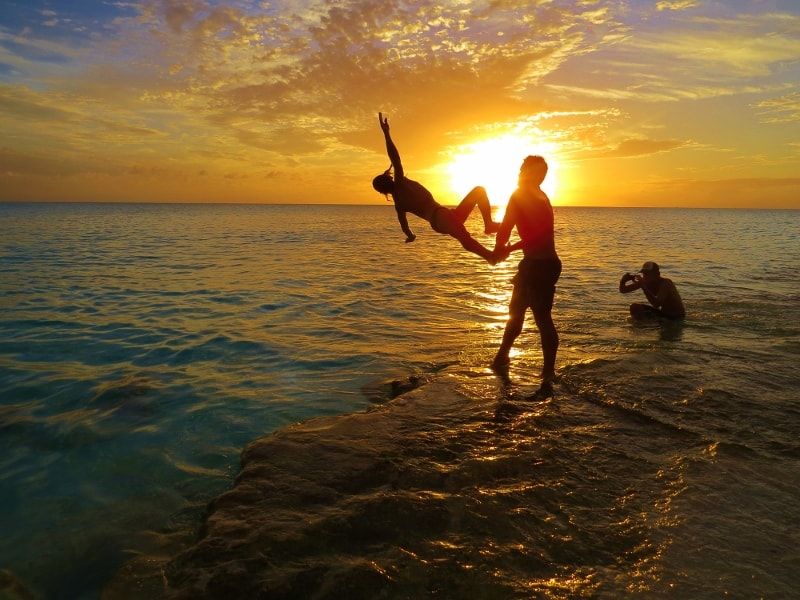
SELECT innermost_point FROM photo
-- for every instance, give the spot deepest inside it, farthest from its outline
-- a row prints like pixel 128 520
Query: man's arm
pixel 501 249
pixel 625 287
pixel 401 216
pixel 391 149
pixel 504 232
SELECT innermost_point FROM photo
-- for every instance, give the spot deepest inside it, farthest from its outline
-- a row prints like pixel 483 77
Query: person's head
pixel 384 183
pixel 533 170
pixel 650 269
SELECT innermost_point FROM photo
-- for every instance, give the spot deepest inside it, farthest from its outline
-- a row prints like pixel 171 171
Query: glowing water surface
pixel 142 347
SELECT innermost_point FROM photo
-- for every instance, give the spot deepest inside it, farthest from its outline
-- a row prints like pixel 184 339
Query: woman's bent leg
pixel 477 197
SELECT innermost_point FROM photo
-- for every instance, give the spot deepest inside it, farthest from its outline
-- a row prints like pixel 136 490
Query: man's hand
pixel 384 123
pixel 499 254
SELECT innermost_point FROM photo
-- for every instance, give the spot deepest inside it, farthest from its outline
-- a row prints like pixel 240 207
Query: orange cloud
pixel 281 97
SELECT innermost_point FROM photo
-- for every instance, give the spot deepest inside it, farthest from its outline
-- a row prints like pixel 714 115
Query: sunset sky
pixel 656 103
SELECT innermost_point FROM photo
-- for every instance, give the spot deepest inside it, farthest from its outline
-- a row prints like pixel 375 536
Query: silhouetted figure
pixel 529 210
pixel 411 196
pixel 661 293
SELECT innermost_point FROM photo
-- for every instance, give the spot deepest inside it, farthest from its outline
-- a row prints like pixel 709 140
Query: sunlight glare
pixel 494 163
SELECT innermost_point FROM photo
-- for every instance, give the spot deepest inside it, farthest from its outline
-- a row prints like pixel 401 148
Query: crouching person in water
pixel 412 197
pixel 661 293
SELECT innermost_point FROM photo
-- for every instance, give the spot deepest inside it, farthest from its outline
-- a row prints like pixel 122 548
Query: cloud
pixel 320 66
pixel 686 57
pixel 777 192
pixel 285 141
pixel 291 88
pixel 16 164
pixel 785 109
pixel 18 103
pixel 723 49
pixel 179 13
pixel 642 147
pixel 28 53
pixel 677 5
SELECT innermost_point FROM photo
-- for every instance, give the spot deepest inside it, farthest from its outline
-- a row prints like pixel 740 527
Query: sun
pixel 494 163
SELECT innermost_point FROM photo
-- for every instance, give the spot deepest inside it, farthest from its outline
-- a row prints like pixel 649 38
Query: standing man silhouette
pixel 530 211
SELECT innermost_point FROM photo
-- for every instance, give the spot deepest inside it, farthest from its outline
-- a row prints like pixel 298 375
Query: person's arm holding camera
pixel 629 283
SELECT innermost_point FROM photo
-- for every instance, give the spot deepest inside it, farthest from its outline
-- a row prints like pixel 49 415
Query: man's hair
pixel 384 183
pixel 533 167
pixel 650 267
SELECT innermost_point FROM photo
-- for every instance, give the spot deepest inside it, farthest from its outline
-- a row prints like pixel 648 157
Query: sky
pixel 660 103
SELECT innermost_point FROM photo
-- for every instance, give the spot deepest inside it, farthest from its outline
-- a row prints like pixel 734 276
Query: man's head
pixel 384 183
pixel 650 268
pixel 533 169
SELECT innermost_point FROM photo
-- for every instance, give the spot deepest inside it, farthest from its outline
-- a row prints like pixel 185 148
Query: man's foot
pixel 545 391
pixel 548 379
pixel 492 227
pixel 501 363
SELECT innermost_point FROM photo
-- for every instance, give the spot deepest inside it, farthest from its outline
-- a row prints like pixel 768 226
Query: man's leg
pixel 644 311
pixel 516 320
pixel 549 336
pixel 542 305
pixel 517 307
pixel 477 197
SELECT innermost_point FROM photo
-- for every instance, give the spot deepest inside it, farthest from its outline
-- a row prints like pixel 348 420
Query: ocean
pixel 143 346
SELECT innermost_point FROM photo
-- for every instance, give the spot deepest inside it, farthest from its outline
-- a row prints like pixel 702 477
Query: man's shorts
pixel 535 284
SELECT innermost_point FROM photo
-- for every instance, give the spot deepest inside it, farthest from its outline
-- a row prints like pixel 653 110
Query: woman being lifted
pixel 412 197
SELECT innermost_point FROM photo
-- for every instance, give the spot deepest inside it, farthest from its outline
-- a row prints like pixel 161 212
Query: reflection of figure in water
pixel 410 196
pixel 530 211
pixel 665 301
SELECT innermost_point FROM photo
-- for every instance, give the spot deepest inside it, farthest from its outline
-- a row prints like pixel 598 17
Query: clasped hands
pixel 499 254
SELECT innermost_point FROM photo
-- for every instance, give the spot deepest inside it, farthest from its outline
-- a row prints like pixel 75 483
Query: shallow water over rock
pixel 436 493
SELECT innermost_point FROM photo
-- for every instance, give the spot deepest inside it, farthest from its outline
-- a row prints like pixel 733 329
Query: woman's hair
pixel 384 183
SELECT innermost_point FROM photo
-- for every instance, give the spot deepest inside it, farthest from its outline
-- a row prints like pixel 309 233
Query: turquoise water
pixel 142 346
